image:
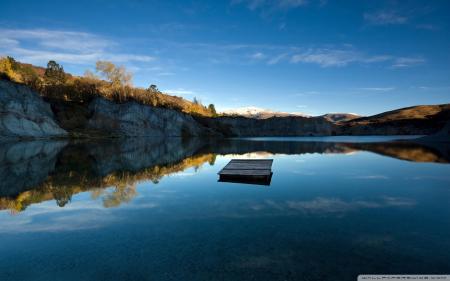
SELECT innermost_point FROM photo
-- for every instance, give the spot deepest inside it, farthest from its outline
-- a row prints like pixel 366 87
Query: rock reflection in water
pixel 32 172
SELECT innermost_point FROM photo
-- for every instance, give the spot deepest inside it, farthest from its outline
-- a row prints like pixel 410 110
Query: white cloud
pixel 179 91
pixel 168 73
pixel 340 57
pixel 64 40
pixel 385 18
pixel 427 26
pixel 41 45
pixel 38 46
pixel 404 62
pixel 276 59
pixel 371 177
pixel 306 93
pixel 325 58
pixel 8 42
pixel 335 57
pixel 377 89
pixel 271 54
pixel 258 56
pixel 271 4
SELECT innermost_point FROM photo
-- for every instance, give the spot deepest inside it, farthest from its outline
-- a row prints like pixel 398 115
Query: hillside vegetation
pixel 413 112
pixel 419 120
pixel 340 117
pixel 110 81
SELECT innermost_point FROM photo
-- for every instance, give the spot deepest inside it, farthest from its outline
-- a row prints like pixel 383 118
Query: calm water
pixel 153 210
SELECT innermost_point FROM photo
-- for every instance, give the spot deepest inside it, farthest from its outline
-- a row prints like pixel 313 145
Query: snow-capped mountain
pixel 260 113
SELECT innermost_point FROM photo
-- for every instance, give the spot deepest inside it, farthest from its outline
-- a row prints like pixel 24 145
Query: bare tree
pixel 117 75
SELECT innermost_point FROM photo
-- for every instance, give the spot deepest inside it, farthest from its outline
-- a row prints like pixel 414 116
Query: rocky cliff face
pixel 134 119
pixel 276 126
pixel 23 113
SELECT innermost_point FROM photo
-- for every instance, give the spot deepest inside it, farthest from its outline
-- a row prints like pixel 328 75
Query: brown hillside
pixel 413 112
pixel 418 120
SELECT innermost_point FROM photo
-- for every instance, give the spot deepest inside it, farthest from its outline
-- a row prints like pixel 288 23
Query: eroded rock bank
pixel 24 114
pixel 134 119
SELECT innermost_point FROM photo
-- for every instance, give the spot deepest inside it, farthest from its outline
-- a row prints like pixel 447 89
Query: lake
pixel 152 209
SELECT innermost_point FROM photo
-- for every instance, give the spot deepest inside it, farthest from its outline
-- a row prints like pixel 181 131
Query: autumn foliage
pixel 110 81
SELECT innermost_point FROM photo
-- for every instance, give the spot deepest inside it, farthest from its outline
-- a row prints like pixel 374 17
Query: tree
pixel 153 88
pixel 117 75
pixel 212 109
pixel 13 62
pixel 90 75
pixel 196 101
pixel 29 75
pixel 7 68
pixel 54 73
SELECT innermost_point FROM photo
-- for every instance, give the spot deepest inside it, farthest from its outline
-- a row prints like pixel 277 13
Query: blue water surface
pixel 125 212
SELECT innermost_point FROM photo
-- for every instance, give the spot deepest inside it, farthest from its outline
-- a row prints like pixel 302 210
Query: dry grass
pixel 84 89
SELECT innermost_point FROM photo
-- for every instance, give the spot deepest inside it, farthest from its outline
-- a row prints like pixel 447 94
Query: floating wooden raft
pixel 253 171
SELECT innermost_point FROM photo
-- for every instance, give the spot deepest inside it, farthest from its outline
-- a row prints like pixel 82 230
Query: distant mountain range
pixel 261 113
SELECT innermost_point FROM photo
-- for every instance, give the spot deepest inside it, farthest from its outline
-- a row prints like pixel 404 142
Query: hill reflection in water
pixel 37 171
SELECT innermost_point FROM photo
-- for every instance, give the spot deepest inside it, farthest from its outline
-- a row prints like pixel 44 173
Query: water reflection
pixel 32 172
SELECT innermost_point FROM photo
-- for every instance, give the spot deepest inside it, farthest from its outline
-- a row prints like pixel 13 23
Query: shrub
pixel 53 83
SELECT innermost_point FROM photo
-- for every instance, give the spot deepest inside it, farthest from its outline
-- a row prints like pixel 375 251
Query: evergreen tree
pixel 54 73
pixel 212 109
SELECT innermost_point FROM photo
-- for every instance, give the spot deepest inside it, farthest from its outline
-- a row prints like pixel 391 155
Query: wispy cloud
pixel 405 62
pixel 189 94
pixel 337 205
pixel 80 48
pixel 41 45
pixel 271 4
pixel 385 18
pixel 336 57
pixel 340 57
pixel 167 73
pixel 305 93
pixel 427 26
pixel 371 177
pixel 258 56
pixel 377 89
pixel 179 91
pixel 56 39
pixel 276 59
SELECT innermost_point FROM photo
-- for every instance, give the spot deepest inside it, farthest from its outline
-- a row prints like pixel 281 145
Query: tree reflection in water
pixel 33 172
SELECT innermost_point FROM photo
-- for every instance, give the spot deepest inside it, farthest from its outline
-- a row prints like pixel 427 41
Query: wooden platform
pixel 252 171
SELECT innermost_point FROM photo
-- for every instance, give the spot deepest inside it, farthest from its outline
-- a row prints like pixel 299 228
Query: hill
pixel 412 112
pixel 421 119
pixel 340 117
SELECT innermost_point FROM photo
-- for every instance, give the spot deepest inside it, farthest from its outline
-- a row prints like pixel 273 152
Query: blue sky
pixel 311 56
